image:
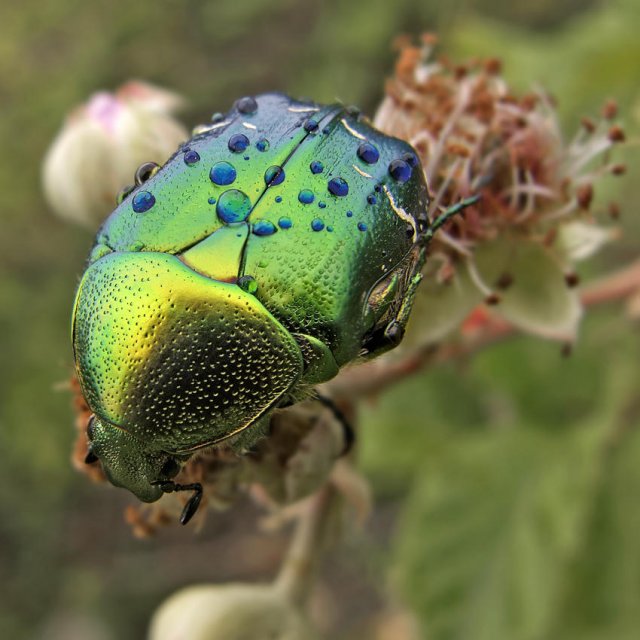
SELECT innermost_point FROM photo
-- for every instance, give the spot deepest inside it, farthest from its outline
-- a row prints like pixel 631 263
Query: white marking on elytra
pixel 204 128
pixel 401 213
pixel 302 109
pixel 361 172
pixel 351 130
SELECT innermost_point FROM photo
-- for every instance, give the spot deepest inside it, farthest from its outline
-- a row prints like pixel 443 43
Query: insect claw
pixel 192 506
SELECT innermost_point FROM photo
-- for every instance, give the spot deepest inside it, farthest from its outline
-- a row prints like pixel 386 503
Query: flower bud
pixel 102 143
pixel 232 612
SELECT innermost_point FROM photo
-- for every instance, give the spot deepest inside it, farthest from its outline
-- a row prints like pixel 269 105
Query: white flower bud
pixel 101 145
pixel 229 612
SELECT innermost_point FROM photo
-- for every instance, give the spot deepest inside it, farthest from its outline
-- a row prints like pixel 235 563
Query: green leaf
pixel 490 531
pixel 538 299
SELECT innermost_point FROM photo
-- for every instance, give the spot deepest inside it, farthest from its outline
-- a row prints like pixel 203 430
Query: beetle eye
pixel 146 171
pixel 170 468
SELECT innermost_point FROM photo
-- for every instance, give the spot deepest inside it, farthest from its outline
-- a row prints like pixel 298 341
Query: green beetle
pixel 283 241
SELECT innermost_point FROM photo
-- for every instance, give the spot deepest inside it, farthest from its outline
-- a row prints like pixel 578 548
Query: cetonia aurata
pixel 282 242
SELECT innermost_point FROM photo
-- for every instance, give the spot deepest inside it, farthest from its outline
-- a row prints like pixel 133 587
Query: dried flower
pixel 102 143
pixel 475 136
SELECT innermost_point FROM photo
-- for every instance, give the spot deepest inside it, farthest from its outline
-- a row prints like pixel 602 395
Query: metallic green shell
pixel 262 256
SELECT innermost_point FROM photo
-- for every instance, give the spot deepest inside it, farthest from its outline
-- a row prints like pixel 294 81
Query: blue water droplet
pixel 316 166
pixel 411 159
pixel 278 198
pixel 368 153
pixel 263 228
pixel 142 201
pixel 262 145
pixel 247 105
pixel 378 188
pixel 349 214
pixel 211 200
pixel 371 199
pixel 362 226
pixel 217 117
pixel 311 125
pixel 330 229
pixel 233 206
pixel 191 157
pixel 238 143
pixel 306 196
pixel 338 187
pixel 273 175
pixel 222 173
pixel 322 205
pixel 317 224
pixel 285 223
pixel 399 170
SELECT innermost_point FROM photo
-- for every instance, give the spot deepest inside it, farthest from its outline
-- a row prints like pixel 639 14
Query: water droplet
pixel 248 284
pixel 306 196
pixel 222 173
pixel 338 187
pixel 285 223
pixel 262 145
pixel 142 201
pixel 246 157
pixel 278 198
pixel 263 228
pixel 217 117
pixel 274 175
pixel 322 205
pixel 233 206
pixel 399 170
pixel 238 143
pixel 330 229
pixel 247 105
pixel 349 214
pixel 316 166
pixel 145 171
pixel 317 224
pixel 362 226
pixel 211 200
pixel 371 199
pixel 124 193
pixel 137 246
pixel 378 188
pixel 311 125
pixel 191 157
pixel 411 159
pixel 368 153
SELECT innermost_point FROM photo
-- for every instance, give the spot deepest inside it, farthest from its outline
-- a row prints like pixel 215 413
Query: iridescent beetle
pixel 283 241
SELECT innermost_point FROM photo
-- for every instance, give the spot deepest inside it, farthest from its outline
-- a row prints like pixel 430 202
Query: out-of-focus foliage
pixel 521 469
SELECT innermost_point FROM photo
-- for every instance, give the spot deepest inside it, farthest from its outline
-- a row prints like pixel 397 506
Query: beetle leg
pixel 169 486
pixel 347 430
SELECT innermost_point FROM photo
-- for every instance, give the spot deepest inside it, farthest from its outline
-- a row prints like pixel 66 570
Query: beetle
pixel 283 241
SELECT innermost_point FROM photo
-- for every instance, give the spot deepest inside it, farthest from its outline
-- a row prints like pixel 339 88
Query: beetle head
pixel 126 463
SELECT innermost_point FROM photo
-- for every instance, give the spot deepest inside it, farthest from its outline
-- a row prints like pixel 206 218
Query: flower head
pixel 517 246
pixel 102 143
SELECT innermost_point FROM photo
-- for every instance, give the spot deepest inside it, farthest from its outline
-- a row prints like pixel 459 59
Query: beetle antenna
pixel 169 486
pixel 347 430
pixel 449 213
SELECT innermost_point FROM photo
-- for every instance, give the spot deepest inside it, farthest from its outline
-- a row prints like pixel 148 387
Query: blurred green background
pixel 507 487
